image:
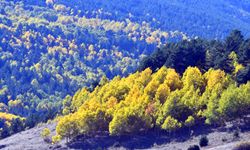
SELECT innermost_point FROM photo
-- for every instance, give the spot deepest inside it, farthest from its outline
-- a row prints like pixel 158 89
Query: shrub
pixel 224 139
pixel 236 133
pixel 45 134
pixel 56 139
pixel 194 147
pixel 203 141
pixel 243 146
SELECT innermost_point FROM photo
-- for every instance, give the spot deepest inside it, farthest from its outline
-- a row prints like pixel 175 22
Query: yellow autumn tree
pixel 162 93
pixel 79 98
pixel 173 80
pixel 193 77
pixel 68 127
pixel 171 124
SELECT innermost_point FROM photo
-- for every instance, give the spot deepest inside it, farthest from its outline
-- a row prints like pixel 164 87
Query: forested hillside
pixel 204 18
pixel 47 52
pixel 49 49
pixel 231 55
pixel 163 100
pixel 207 84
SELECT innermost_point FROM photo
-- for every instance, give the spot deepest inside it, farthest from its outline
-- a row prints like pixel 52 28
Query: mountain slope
pixel 48 52
pixel 204 18
pixel 50 49
pixel 31 139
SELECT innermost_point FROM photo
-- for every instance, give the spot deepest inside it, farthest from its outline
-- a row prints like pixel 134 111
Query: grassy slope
pixel 30 139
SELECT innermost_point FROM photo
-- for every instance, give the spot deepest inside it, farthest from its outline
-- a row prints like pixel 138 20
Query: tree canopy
pixel 146 100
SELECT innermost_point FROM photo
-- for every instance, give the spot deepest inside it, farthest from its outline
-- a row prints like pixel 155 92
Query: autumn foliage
pixel 10 124
pixel 163 100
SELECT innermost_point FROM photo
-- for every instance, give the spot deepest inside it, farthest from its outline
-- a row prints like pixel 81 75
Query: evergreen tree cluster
pixel 231 55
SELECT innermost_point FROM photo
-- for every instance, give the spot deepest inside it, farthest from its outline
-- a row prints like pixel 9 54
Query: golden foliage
pixel 144 100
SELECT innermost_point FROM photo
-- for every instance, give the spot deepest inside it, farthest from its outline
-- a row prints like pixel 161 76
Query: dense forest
pixel 162 100
pixel 214 90
pixel 231 55
pixel 49 52
pixel 109 67
pixel 203 18
pixel 167 99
